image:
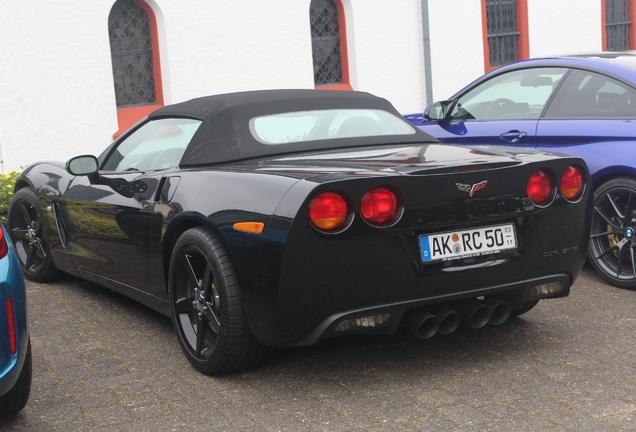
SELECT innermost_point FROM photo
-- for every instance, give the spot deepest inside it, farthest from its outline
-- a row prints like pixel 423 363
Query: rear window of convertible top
pixel 317 125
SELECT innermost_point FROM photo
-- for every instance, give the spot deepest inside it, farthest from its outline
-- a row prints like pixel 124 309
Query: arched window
pixel 505 24
pixel 618 31
pixel 329 45
pixel 135 58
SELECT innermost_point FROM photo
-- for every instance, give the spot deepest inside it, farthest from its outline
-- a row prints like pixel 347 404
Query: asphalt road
pixel 105 363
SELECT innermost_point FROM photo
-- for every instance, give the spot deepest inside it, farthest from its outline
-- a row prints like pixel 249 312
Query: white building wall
pixel 56 89
pixel 222 46
pixel 457 45
pixel 386 50
pixel 564 27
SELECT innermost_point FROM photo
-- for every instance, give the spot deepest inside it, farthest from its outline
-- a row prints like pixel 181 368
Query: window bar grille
pixel 502 31
pixel 131 55
pixel 617 25
pixel 325 41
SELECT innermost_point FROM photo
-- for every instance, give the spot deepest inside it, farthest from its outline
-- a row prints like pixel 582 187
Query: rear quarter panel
pixel 218 200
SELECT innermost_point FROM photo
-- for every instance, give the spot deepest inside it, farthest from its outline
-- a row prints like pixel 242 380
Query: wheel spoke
pixel 25 214
pixel 606 233
pixel 29 258
pixel 608 219
pixel 206 283
pixel 607 251
pixel 19 233
pixel 631 252
pixel 209 294
pixel 192 276
pixel 183 305
pixel 618 212
pixel 631 203
pixel 201 333
pixel 39 248
pixel 621 257
pixel 213 319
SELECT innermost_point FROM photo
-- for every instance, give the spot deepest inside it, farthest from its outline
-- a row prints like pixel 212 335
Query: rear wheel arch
pixel 611 176
pixel 175 230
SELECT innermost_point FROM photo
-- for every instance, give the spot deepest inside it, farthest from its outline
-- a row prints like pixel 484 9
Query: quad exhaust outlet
pixel 425 323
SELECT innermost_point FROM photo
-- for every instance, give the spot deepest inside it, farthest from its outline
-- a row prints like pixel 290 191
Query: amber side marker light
pixel 539 188
pixel 572 183
pixel 328 211
pixel 249 227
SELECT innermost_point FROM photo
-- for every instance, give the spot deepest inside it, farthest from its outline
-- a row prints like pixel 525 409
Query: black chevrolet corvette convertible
pixel 279 218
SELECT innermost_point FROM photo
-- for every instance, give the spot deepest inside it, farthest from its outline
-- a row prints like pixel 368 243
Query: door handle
pixel 513 136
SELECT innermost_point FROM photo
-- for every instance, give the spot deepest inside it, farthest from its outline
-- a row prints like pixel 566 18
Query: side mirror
pixel 437 111
pixel 85 165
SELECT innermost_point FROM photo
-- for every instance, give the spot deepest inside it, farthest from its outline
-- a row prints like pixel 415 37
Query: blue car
pixel 15 346
pixel 583 105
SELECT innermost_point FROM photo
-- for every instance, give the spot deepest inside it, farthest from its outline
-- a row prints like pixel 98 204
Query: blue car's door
pixel 503 132
pixel 504 110
pixel 592 116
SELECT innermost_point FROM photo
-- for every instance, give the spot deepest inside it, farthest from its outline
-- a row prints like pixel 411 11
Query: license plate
pixel 475 242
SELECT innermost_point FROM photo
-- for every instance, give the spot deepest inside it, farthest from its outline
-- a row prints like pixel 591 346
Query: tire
pixel 527 307
pixel 26 232
pixel 16 399
pixel 207 309
pixel 612 247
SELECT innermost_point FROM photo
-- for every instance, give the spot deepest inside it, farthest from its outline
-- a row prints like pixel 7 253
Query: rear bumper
pixel 517 294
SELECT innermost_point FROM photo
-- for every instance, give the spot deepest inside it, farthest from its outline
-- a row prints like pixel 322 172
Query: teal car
pixel 15 346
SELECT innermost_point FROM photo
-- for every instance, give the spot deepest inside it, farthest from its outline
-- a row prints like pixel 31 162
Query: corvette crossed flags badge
pixel 471 189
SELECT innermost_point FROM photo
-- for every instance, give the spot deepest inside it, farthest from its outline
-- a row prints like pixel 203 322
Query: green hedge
pixel 7 183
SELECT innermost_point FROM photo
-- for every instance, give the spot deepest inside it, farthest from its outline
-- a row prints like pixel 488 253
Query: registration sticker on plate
pixel 468 243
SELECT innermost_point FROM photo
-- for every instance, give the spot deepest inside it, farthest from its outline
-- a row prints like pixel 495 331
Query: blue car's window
pixel 158 144
pixel 513 95
pixel 589 95
pixel 326 124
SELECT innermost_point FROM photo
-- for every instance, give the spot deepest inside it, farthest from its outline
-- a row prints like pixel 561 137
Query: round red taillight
pixel 539 188
pixel 328 211
pixel 379 206
pixel 572 183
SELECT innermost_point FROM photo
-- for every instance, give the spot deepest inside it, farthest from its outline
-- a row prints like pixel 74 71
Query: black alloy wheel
pixel 207 308
pixel 612 248
pixel 26 231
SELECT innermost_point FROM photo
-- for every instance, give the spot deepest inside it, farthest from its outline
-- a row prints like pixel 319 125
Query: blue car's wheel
pixel 207 308
pixel 26 232
pixel 612 249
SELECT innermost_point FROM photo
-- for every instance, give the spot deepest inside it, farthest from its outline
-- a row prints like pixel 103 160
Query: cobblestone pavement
pixel 105 363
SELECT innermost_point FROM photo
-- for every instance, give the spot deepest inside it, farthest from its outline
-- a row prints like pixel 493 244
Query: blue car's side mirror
pixel 437 111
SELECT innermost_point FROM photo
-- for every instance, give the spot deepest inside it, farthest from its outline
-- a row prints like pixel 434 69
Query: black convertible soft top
pixel 224 134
